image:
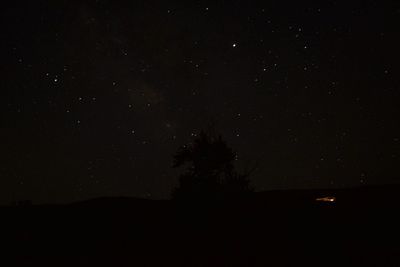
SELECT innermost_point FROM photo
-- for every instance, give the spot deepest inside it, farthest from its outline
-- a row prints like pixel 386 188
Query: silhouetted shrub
pixel 210 171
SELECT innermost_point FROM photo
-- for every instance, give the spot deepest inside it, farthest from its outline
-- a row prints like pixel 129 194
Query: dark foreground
pixel 266 229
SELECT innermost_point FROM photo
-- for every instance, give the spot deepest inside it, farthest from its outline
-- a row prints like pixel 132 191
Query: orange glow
pixel 326 199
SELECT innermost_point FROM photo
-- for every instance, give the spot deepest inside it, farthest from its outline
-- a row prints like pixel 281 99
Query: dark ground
pixel 287 228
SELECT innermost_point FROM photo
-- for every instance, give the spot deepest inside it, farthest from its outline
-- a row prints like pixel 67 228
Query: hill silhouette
pixel 277 228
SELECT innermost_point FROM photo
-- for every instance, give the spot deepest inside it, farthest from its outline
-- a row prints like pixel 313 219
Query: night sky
pixel 97 96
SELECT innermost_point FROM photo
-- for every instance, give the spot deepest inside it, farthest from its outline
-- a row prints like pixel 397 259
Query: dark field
pixel 287 228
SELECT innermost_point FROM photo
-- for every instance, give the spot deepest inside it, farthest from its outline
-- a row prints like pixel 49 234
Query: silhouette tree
pixel 210 171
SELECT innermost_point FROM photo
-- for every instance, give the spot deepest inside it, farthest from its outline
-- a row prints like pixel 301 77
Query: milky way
pixel 98 95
